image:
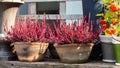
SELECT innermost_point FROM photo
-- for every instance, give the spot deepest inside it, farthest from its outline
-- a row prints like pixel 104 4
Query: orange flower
pixel 110 31
pixel 114 21
pixel 113 7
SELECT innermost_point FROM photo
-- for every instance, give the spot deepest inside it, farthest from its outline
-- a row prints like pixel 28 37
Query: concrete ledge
pixel 42 0
pixel 18 64
pixel 13 1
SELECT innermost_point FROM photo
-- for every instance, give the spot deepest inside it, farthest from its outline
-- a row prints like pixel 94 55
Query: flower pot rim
pixel 74 44
pixel 104 36
pixel 115 40
pixel 105 39
pixel 29 43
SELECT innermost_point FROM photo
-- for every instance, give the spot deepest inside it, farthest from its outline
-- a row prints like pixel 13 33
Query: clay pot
pixel 74 53
pixel 30 51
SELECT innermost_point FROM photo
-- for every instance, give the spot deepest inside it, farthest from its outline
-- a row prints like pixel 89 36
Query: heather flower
pixel 80 31
pixel 29 31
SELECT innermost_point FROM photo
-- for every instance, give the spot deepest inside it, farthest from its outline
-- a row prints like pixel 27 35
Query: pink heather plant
pixel 80 31
pixel 29 31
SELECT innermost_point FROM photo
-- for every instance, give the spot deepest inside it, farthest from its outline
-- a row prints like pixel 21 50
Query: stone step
pixel 55 64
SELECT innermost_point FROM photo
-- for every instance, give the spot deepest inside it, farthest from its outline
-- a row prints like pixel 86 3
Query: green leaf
pixel 109 14
pixel 118 19
pixel 118 28
pixel 100 14
pixel 106 34
pixel 109 20
pixel 117 0
pixel 108 6
pixel 106 1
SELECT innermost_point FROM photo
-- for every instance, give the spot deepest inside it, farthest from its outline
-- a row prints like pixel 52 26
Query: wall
pixel 74 9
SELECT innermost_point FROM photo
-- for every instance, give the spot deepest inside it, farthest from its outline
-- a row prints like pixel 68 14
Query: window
pixel 47 7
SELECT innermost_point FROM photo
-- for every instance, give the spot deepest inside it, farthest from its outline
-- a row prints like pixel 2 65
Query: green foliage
pixel 106 1
pixel 118 28
pixel 109 14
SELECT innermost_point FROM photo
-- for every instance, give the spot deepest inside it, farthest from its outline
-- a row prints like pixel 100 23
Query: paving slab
pixel 55 64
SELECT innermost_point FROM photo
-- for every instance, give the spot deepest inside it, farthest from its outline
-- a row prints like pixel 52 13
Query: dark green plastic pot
pixel 117 53
pixel 116 43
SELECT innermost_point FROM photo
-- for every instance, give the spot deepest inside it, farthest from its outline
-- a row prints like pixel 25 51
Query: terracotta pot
pixel 74 53
pixel 30 52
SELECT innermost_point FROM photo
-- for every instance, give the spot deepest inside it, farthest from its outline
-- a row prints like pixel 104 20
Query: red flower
pixel 113 7
pixel 102 21
pixel 110 31
pixel 104 26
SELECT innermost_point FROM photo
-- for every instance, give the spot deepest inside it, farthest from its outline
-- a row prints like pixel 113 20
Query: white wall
pixel 74 9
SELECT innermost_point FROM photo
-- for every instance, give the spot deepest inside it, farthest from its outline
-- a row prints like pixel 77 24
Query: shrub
pixel 80 31
pixel 29 31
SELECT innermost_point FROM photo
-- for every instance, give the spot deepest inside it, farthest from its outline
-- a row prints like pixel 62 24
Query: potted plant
pixel 110 24
pixel 74 42
pixel 30 40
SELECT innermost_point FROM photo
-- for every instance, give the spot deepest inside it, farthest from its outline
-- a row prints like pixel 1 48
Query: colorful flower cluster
pixel 111 17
